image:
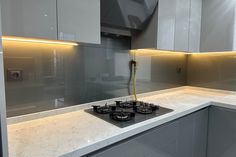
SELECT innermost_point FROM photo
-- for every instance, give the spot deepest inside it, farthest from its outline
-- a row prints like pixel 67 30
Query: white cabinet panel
pixel 175 25
pixel 195 25
pixel 218 25
pixel 79 20
pixel 182 25
pixel 166 24
pixel 29 18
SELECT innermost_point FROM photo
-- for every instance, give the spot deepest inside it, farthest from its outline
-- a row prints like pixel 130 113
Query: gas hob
pixel 123 114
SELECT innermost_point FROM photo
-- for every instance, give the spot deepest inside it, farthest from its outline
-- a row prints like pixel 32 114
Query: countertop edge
pixel 220 98
pixel 117 138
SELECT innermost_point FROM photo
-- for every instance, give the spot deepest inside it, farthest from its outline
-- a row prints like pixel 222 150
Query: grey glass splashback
pixel 212 70
pixel 42 77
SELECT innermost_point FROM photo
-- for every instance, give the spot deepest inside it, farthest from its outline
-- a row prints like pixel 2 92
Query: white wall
pixel 3 123
pixel 3 108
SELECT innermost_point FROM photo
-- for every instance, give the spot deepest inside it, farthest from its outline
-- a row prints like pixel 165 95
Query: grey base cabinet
pixel 222 132
pixel 184 137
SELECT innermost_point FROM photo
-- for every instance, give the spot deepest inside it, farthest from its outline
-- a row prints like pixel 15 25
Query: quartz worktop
pixel 72 132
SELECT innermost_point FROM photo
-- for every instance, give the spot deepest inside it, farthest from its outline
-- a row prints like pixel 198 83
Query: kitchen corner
pixel 111 78
pixel 78 133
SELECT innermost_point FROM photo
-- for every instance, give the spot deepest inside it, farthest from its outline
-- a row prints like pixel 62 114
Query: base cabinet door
pixel 222 132
pixel 158 142
pixel 192 135
pixel 185 137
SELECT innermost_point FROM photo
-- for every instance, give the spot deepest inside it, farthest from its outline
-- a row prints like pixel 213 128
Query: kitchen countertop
pixel 72 132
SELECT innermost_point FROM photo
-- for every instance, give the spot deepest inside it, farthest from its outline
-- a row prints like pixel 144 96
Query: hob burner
pixel 122 116
pixel 125 105
pixel 103 109
pixel 145 108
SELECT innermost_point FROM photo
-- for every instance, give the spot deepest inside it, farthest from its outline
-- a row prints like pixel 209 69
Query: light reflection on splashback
pixel 212 70
pixel 59 76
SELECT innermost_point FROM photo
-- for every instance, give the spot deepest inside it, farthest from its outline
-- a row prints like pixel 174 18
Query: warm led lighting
pixel 213 53
pixel 153 52
pixel 20 39
pixel 156 52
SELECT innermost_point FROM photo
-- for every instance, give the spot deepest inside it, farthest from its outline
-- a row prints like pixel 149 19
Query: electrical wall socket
pixel 14 75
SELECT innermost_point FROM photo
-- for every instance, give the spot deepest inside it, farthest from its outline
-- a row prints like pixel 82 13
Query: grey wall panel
pixel 215 70
pixel 59 76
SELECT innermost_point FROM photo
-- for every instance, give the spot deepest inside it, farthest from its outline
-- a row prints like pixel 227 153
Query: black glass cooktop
pixel 123 114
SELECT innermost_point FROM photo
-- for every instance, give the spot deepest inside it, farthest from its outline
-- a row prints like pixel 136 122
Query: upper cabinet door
pixel 79 20
pixel 174 26
pixel 218 26
pixel 29 18
pixel 195 25
pixel 182 22
pixel 166 24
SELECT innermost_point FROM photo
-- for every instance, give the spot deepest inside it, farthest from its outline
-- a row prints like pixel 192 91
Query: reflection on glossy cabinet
pixel 166 24
pixel 175 25
pixel 222 137
pixel 192 135
pixel 218 25
pixel 195 25
pixel 184 137
pixel 29 18
pixel 79 20
pixel 182 21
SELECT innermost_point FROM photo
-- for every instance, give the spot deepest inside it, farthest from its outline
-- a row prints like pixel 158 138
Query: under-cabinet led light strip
pixel 153 52
pixel 21 39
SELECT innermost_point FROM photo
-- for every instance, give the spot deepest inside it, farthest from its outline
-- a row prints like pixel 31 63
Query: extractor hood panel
pixel 127 14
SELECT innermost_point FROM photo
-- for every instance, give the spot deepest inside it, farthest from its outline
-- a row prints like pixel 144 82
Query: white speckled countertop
pixel 72 132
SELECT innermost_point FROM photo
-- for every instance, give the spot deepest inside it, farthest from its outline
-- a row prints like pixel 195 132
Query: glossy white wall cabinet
pixel 166 24
pixel 29 18
pixel 218 25
pixel 176 25
pixel 195 25
pixel 79 20
pixel 182 21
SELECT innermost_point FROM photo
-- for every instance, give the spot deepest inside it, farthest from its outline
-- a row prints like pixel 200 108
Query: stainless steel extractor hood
pixel 121 17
